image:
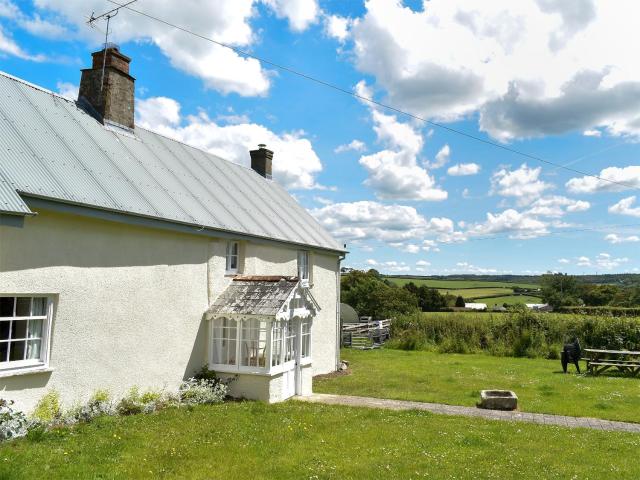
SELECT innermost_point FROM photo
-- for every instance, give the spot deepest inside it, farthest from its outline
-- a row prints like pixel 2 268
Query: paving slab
pixel 443 409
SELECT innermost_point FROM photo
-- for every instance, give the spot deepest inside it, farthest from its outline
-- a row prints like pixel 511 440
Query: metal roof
pixel 253 297
pixel 53 149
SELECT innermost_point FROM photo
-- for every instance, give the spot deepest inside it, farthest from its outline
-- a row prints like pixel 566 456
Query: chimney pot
pixel 261 161
pixel 111 95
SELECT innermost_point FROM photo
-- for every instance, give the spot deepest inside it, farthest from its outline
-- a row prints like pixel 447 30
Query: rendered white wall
pixel 129 303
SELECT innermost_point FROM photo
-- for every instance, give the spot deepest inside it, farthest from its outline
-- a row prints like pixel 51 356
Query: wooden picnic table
pixel 599 360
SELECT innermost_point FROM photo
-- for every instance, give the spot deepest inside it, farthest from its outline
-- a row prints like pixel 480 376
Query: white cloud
pixel 520 64
pixel 353 145
pixel 463 169
pixel 337 27
pixel 629 177
pixel 399 226
pixel 10 47
pixel 516 224
pixel 556 206
pixel 564 261
pixel 522 184
pixel 394 173
pixel 157 113
pixel 442 157
pixel 295 162
pixel 602 261
pixel 422 263
pixel 592 133
pixel 68 90
pixel 615 239
pixel 625 207
pixel 300 13
pixel 226 21
pixel 467 267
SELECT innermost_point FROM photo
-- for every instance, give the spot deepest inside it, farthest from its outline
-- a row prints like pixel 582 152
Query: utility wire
pixel 370 100
pixel 530 235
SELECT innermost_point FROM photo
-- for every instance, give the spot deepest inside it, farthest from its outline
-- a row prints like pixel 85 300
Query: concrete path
pixel 541 418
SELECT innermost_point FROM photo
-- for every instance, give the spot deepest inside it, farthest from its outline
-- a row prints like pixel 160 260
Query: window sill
pixel 18 372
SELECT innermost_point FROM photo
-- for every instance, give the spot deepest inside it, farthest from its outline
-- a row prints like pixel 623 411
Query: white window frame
pixel 304 267
pixel 275 330
pixel 230 256
pixel 19 366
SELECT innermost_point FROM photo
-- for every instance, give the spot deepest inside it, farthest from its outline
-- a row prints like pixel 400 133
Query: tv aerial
pixel 107 16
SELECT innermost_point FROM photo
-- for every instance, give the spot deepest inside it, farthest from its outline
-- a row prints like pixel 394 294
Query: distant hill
pixel 625 279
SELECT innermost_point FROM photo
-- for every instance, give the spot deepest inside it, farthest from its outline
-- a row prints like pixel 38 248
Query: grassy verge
pixel 294 441
pixel 457 379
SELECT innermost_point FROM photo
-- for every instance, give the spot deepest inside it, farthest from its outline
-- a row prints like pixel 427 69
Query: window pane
pixel 224 341
pixel 33 349
pixel 4 349
pixel 6 306
pixel 4 329
pixel 35 329
pixel 276 346
pixel 19 329
pixel 39 307
pixel 23 307
pixel 16 351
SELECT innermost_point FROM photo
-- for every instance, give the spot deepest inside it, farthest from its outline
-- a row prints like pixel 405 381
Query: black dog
pixel 571 354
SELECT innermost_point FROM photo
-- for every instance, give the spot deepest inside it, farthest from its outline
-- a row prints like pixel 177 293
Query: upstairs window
pixel 233 257
pixel 304 269
pixel 24 331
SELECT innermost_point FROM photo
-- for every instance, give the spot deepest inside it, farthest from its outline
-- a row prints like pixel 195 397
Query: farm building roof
pixel 54 150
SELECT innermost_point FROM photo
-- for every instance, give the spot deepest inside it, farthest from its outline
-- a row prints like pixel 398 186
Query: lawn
pixel 457 379
pixel 305 441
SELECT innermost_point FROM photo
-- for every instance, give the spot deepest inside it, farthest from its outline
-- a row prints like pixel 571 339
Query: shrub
pixel 202 391
pixel 99 404
pixel 134 402
pixel 519 332
pixel 13 424
pixel 48 409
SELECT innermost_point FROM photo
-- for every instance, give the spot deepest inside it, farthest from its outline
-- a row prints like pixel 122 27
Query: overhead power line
pixel 532 234
pixel 369 100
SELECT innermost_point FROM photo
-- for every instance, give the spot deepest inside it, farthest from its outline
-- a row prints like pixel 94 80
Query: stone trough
pixel 498 400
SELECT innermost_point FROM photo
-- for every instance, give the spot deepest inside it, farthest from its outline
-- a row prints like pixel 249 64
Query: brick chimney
pixel 111 96
pixel 261 160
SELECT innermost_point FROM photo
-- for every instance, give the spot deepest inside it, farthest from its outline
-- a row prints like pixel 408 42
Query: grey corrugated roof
pixel 253 298
pixel 53 149
pixel 10 201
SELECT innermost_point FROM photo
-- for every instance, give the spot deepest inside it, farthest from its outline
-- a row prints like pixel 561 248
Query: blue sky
pixel 556 79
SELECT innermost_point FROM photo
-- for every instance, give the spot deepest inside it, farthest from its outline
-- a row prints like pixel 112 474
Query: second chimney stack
pixel 261 161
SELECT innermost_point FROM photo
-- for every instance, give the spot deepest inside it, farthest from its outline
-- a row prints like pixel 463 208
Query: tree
pixel 560 289
pixel 460 302
pixel 429 299
pixel 371 296
pixel 598 295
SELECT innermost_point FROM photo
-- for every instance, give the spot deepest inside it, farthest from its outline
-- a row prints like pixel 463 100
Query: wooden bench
pixel 599 360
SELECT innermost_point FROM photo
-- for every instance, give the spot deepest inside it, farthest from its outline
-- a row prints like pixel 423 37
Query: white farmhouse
pixel 475 306
pixel 128 258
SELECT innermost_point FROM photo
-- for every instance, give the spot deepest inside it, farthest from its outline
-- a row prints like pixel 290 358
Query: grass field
pixel 511 300
pixel 457 379
pixel 460 284
pixel 305 441
pixel 475 290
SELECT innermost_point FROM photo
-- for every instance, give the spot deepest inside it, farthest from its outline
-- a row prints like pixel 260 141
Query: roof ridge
pixel 35 87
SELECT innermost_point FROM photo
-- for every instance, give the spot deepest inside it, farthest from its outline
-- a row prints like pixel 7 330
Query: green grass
pixel 457 379
pixel 510 300
pixel 304 441
pixel 460 284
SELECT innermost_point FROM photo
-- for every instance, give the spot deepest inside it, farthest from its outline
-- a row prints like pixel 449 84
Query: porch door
pixel 291 358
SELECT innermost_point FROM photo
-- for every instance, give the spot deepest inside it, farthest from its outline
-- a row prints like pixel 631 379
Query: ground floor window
pixel 258 345
pixel 24 331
